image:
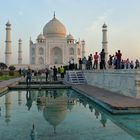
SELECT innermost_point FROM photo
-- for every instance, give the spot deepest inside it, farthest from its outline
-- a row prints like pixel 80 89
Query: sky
pixel 82 18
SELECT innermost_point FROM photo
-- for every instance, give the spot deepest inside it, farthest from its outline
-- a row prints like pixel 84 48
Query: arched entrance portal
pixel 56 56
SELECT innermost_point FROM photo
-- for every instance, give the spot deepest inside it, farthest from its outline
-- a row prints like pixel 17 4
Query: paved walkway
pixel 38 86
pixel 115 102
pixel 9 82
pixel 5 84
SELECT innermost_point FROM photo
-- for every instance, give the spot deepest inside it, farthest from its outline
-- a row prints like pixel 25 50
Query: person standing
pixel 137 64
pixel 55 73
pixel 119 55
pixel 29 77
pixel 62 71
pixel 20 72
pixel 24 72
pixel 84 63
pixel 80 64
pixel 102 59
pixel 110 61
pixel 46 73
pixel 90 58
pixel 51 74
pixel 96 57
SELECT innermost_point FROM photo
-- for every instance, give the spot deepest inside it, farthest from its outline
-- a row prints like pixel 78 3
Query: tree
pixel 12 68
pixel 3 66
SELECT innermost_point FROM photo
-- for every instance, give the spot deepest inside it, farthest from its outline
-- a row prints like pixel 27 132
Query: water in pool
pixel 61 115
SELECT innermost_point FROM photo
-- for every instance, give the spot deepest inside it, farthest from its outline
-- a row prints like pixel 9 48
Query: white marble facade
pixel 55 47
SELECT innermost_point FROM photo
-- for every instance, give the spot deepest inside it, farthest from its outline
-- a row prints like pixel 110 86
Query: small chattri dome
pixel 20 40
pixel 104 25
pixel 8 23
pixel 41 37
pixel 70 37
pixel 54 28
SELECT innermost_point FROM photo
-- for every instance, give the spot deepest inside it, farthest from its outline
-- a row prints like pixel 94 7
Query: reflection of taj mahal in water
pixel 54 105
pixel 55 47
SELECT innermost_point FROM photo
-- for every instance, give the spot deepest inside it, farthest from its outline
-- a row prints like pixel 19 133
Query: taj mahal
pixel 52 47
pixel 55 47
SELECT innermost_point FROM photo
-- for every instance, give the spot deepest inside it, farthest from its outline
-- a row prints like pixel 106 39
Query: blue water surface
pixel 61 114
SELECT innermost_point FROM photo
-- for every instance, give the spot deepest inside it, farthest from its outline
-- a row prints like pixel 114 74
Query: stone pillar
pixel 19 51
pixel 104 42
pixel 8 49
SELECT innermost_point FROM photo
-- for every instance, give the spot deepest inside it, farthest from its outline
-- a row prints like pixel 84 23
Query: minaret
pixel 83 48
pixel 19 51
pixel 8 49
pixel 104 42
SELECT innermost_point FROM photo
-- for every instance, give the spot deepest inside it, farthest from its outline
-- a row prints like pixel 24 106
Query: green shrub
pixel 12 68
pixel 11 73
pixel 1 73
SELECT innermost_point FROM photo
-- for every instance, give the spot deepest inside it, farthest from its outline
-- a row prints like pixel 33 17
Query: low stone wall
pixel 126 82
pixel 2 90
pixel 4 85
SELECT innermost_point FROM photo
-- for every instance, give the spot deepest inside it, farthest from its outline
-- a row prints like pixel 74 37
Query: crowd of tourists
pixel 98 61
pixel 50 74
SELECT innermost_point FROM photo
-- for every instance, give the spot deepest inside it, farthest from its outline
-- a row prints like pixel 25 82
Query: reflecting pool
pixel 61 115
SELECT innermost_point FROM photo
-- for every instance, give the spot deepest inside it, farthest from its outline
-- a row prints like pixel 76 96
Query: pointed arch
pixel 41 60
pixel 71 51
pixel 41 51
pixel 56 56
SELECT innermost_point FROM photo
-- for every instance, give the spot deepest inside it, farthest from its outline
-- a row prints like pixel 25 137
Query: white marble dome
pixel 54 28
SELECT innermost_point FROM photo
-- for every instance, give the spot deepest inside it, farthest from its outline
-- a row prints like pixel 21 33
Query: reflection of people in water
pixel 29 99
pixel 97 113
pixel 103 119
pixel 55 94
pixel 91 107
pixel 33 133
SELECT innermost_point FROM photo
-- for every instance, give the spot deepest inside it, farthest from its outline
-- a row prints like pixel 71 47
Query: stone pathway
pixel 114 102
pixel 5 84
pixel 42 86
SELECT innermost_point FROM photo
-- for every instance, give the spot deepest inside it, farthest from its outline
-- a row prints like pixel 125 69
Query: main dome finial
pixel 54 14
